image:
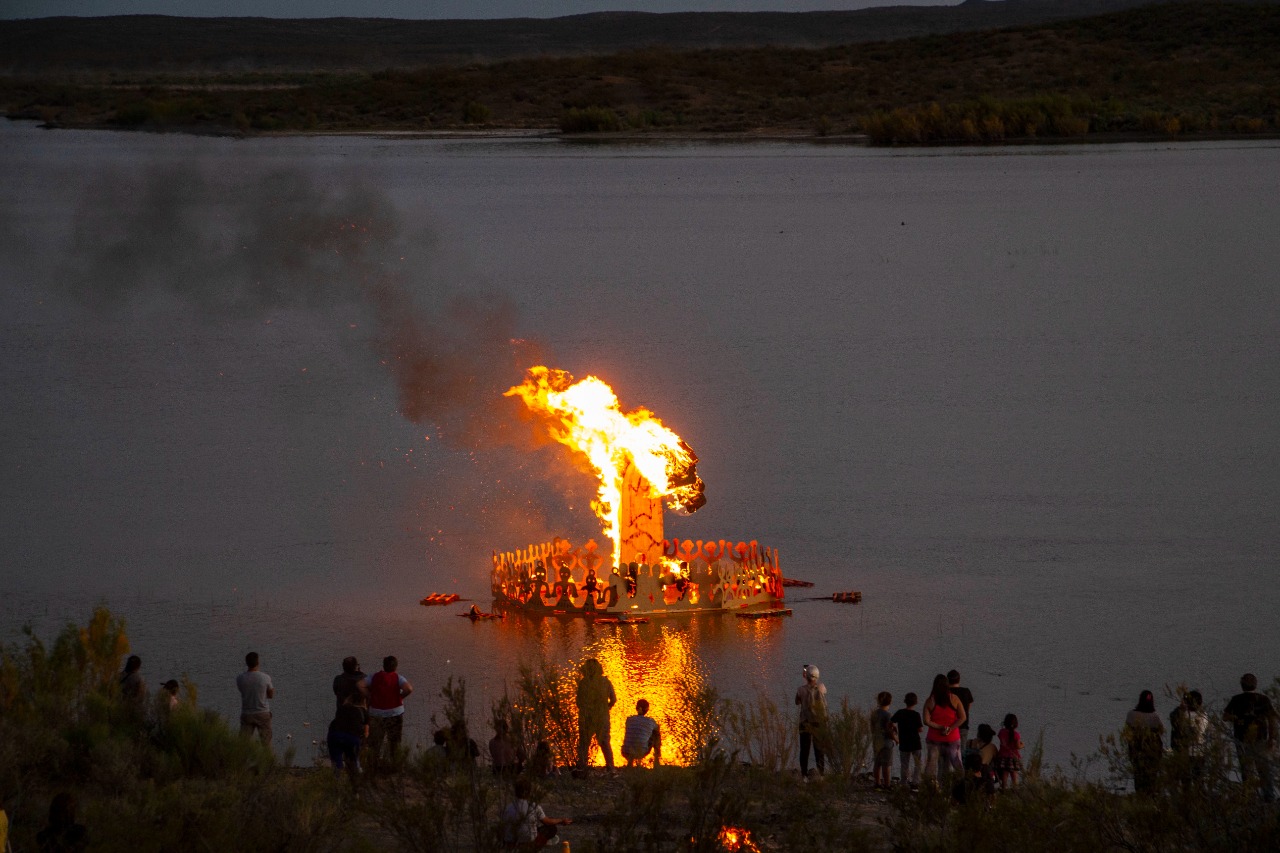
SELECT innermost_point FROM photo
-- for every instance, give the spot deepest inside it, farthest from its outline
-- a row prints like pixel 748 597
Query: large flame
pixel 586 416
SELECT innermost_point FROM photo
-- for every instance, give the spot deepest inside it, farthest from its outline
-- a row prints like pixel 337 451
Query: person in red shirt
pixel 387 692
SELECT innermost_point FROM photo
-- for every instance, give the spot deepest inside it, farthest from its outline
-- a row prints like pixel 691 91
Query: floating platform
pixel 763 614
pixel 437 599
pixel 853 597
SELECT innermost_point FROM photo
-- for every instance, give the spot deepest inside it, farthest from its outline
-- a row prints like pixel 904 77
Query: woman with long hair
pixel 943 715
pixel 1144 735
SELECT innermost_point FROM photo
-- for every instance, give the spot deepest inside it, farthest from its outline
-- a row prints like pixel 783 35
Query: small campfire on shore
pixel 734 839
pixel 642 465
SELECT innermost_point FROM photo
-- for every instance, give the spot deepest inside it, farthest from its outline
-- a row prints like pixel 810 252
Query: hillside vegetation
pixel 1165 69
pixel 167 44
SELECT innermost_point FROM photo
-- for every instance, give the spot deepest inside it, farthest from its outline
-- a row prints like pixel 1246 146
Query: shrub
pixel 762 734
pixel 846 739
pixel 589 120
pixel 546 700
pixel 474 112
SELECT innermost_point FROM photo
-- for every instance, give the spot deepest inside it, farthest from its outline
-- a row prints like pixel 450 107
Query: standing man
pixel 387 692
pixel 1253 720
pixel 351 679
pixel 595 699
pixel 255 692
pixel 811 696
pixel 965 695
pixel 642 734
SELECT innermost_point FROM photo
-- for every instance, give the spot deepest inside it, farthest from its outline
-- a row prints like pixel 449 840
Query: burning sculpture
pixel 641 465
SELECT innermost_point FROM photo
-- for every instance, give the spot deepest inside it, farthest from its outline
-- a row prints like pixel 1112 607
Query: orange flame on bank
pixel 587 417
pixel 736 840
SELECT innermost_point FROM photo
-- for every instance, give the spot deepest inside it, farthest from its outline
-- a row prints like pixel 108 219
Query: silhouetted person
pixel 63 834
pixel 965 695
pixel 351 678
pixel 507 755
pixel 1253 722
pixel 595 698
pixel 1144 733
pixel 133 688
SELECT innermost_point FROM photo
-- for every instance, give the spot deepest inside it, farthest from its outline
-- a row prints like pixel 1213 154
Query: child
pixel 908 725
pixel 1009 760
pixel 980 762
pixel 883 737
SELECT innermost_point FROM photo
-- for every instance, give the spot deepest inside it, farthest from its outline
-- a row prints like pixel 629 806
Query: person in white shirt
pixel 524 823
pixel 255 692
pixel 642 736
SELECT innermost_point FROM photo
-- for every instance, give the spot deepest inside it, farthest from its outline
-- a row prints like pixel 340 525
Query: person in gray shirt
pixel 256 692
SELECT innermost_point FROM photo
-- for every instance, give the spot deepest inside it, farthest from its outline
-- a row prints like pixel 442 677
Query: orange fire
pixel 587 417
pixel 737 840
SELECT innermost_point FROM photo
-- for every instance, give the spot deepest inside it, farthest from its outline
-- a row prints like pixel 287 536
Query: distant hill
pixel 162 44
pixel 1168 69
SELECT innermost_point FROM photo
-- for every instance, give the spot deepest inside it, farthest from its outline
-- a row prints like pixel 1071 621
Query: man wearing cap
pixel 811 696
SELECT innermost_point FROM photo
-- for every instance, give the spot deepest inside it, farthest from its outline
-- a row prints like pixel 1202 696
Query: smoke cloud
pixel 281 241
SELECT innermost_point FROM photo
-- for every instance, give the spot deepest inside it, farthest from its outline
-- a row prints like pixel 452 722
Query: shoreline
pixel 860 140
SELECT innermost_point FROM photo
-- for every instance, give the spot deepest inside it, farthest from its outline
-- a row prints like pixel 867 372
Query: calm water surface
pixel 1023 399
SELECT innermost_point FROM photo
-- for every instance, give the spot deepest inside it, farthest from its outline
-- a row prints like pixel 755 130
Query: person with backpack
pixel 1253 721
pixel 811 696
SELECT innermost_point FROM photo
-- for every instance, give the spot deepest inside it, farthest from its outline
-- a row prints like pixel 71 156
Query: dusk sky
pixel 422 8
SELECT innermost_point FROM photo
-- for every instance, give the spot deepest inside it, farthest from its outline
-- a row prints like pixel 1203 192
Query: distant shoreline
pixel 860 140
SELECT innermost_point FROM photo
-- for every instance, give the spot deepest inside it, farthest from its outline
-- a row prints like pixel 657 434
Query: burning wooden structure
pixel 691 577
pixel 641 465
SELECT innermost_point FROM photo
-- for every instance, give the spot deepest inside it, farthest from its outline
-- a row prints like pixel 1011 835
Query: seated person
pixel 525 826
pixel 506 754
pixel 543 763
pixel 979 765
pixel 642 735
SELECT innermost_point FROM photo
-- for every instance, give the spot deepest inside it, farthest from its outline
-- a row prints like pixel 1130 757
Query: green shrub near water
pixel 179 780
pixel 982 120
pixel 590 120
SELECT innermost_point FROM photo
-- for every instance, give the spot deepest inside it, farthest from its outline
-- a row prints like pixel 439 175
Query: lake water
pixel 1024 399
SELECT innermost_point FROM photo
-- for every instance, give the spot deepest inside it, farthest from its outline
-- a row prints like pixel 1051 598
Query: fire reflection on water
pixel 662 669
pixel 668 662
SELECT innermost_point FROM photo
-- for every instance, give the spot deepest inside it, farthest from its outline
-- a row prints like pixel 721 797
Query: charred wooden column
pixel 639 519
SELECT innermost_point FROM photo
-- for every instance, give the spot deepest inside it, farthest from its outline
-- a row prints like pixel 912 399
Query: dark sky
pixel 421 8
